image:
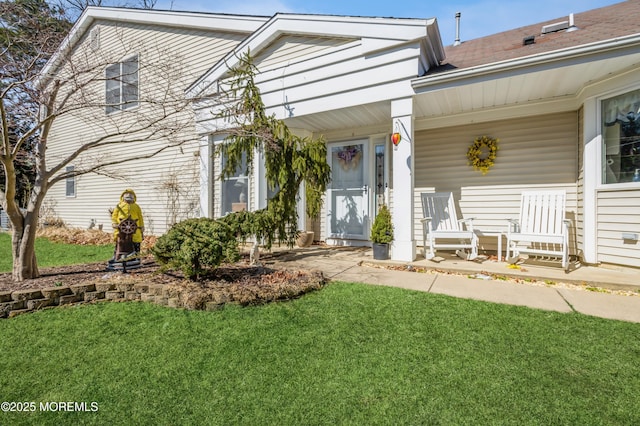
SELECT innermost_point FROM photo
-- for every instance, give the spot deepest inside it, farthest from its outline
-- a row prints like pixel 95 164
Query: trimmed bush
pixel 197 246
pixel 382 229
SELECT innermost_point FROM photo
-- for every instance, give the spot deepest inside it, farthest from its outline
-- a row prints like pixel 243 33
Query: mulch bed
pixel 239 283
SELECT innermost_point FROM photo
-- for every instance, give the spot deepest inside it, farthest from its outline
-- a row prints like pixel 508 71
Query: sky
pixel 479 17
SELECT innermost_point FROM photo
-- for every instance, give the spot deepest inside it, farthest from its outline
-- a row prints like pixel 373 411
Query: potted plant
pixel 382 234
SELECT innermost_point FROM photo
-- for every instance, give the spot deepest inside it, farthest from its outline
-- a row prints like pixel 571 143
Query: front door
pixel 348 203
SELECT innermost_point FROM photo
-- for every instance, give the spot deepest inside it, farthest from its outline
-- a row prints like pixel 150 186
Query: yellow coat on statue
pixel 123 210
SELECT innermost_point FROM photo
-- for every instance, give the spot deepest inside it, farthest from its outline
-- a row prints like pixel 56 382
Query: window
pixel 71 183
pixel 235 189
pixel 621 136
pixel 122 85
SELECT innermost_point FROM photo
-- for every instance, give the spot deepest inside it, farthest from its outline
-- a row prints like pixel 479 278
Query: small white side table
pixel 499 233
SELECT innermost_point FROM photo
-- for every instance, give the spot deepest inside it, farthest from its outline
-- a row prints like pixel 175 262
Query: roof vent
pixel 94 38
pixel 528 40
pixel 552 28
pixel 457 41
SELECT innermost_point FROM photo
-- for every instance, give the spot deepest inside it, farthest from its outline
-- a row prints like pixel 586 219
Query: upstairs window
pixel 122 85
pixel 621 136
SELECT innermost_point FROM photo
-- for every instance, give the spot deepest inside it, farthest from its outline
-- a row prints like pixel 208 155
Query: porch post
pixel 206 176
pixel 404 245
pixel 591 165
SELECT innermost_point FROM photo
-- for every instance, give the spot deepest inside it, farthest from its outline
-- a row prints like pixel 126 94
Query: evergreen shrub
pixel 197 246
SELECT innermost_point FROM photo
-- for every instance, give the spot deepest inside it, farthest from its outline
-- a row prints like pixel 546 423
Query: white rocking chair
pixel 542 226
pixel 441 222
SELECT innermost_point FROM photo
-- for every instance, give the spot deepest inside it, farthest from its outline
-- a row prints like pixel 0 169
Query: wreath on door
pixel 349 157
pixel 482 153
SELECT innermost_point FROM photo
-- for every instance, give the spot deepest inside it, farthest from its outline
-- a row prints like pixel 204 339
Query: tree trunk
pixel 23 250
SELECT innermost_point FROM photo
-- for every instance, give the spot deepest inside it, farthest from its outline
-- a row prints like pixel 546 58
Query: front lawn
pixel 349 354
pixel 51 253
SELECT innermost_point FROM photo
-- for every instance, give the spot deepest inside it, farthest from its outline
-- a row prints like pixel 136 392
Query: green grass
pixel 55 254
pixel 349 354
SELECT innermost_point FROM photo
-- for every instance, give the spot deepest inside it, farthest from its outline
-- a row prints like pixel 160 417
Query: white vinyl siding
pixel 289 48
pixel 534 152
pixel 170 180
pixel 341 74
pixel 618 215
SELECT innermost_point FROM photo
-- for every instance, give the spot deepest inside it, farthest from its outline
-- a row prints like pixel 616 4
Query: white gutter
pixel 542 58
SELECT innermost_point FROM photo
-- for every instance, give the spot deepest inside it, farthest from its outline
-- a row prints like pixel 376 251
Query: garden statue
pixel 128 225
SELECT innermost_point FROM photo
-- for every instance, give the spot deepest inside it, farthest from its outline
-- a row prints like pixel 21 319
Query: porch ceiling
pixel 373 114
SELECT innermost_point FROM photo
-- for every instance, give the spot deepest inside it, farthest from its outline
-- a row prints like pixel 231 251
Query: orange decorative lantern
pixel 395 138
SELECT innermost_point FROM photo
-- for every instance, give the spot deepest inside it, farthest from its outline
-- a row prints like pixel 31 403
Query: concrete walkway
pixel 615 294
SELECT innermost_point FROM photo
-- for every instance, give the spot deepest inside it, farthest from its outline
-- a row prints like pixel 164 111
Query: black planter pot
pixel 380 251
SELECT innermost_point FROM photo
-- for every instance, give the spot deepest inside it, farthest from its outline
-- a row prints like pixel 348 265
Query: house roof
pixel 499 76
pixel 606 23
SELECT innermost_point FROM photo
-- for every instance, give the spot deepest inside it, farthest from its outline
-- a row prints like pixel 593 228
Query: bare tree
pixel 98 91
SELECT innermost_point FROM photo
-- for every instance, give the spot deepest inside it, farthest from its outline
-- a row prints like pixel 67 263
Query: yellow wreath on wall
pixel 478 156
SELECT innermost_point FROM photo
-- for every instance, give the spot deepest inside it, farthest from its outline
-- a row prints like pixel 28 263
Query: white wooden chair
pixel 443 230
pixel 542 227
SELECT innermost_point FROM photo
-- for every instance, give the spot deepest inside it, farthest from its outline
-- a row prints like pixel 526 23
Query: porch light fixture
pixel 395 136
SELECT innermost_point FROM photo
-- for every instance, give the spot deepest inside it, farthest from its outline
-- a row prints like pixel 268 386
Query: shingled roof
pixel 606 23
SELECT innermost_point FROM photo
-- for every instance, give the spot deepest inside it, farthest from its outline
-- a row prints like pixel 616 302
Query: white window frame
pixel 603 148
pixel 122 85
pixel 219 164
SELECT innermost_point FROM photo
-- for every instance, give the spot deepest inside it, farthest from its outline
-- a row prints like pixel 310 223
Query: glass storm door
pixel 349 191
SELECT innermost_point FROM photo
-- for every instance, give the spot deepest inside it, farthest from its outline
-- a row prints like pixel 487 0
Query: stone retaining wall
pixel 13 303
